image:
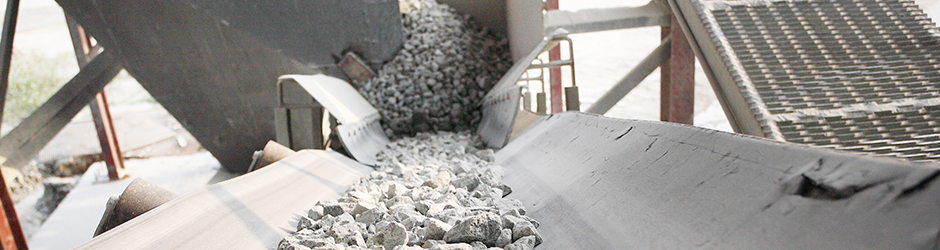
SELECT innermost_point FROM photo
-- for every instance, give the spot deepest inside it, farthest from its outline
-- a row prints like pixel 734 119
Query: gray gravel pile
pixel 432 191
pixel 439 77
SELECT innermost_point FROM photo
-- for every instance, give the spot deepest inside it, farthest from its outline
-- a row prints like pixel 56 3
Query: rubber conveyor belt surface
pixel 253 211
pixel 601 183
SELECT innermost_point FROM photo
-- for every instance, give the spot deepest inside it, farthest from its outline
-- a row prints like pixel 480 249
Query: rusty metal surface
pixel 677 81
pixel 107 138
pixel 100 113
pixel 354 68
pixel 252 211
pixel 11 234
pixel 595 182
pixel 554 79
pixel 554 74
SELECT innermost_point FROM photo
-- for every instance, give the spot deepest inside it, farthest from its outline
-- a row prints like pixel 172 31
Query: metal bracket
pixel 359 127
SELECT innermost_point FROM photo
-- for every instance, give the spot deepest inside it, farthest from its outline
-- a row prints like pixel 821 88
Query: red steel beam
pixel 11 234
pixel 110 150
pixel 554 74
pixel 101 114
pixel 678 78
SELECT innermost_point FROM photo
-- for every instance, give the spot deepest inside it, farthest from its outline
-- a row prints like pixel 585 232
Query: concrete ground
pixel 145 130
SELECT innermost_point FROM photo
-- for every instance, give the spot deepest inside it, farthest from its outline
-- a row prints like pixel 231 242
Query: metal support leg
pixel 555 73
pixel 110 150
pixel 540 103
pixel 101 114
pixel 678 78
pixel 632 79
pixel 11 234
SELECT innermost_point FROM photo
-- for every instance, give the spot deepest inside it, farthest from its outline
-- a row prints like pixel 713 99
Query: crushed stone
pixel 438 79
pixel 431 191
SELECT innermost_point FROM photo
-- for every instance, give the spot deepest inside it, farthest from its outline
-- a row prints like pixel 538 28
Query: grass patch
pixel 33 79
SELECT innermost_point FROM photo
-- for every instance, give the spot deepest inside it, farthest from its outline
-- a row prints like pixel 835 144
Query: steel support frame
pixel 675 57
pixel 677 80
pixel 11 234
pixel 101 114
pixel 626 84
pixel 34 132
pixel 593 20
pixel 554 74
pixel 571 101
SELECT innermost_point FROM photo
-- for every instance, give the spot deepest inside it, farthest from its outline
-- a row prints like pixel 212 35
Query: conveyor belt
pixel 253 211
pixel 832 73
pixel 595 182
pixel 601 183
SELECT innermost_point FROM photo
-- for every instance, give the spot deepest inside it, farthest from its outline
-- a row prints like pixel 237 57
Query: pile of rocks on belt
pixel 438 79
pixel 433 191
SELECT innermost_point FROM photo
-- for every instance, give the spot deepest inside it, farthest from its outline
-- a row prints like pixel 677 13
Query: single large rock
pixel 525 243
pixel 441 180
pixel 344 230
pixel 505 237
pixel 484 227
pixel 525 228
pixel 316 212
pixel 363 206
pixel 372 216
pixel 306 222
pixel 436 229
pixel 395 189
pixel 394 235
pixel 336 209
pixel 469 182
pixel 457 246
